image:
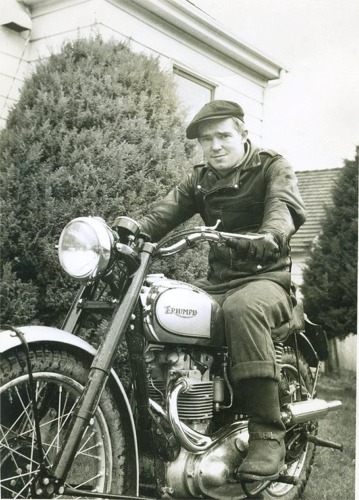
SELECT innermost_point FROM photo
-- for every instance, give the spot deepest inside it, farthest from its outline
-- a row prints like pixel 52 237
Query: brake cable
pixel 32 391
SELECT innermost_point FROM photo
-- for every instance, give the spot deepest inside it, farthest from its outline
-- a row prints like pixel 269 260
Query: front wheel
pixel 299 453
pixel 103 462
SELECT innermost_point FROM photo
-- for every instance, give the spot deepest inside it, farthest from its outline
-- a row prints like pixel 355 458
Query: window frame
pixel 195 78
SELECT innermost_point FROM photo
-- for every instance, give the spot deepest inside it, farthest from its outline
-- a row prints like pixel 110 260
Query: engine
pixel 205 390
pixel 191 382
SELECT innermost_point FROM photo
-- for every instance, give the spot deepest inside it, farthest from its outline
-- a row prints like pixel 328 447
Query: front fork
pixel 99 372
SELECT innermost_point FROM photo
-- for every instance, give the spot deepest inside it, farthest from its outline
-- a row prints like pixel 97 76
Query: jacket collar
pixel 253 158
pixel 211 181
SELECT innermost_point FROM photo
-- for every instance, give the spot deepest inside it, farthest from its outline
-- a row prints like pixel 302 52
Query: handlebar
pixel 203 233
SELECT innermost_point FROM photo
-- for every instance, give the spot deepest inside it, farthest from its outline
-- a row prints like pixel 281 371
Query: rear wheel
pixel 103 462
pixel 300 455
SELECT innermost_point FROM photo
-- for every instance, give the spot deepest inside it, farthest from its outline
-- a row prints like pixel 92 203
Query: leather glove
pixel 263 250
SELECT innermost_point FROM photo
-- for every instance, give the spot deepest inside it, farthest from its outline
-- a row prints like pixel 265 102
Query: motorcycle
pixel 69 428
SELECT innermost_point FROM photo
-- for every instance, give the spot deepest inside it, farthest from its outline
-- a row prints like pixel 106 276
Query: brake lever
pixel 224 236
pixel 208 228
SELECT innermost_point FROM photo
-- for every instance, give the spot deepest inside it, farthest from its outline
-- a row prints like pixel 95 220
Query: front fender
pixel 32 334
pixel 36 334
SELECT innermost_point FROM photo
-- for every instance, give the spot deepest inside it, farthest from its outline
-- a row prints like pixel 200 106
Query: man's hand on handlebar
pixel 261 247
pixel 262 250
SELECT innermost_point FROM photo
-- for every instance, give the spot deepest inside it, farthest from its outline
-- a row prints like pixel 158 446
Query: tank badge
pixel 181 312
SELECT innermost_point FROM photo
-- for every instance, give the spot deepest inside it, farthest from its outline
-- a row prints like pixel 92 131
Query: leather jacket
pixel 261 195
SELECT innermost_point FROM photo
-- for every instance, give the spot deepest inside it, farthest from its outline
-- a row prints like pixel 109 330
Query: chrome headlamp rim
pixel 98 253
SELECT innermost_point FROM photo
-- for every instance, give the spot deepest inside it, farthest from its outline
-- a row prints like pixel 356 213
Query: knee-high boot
pixel 266 453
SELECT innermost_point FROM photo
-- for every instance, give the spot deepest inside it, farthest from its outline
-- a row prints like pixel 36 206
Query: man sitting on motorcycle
pixel 250 190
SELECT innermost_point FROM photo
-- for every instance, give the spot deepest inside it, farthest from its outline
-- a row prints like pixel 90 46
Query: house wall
pixel 14 66
pixel 298 263
pixel 347 353
pixel 56 21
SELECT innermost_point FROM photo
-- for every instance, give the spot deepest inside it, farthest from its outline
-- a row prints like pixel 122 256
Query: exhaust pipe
pixel 312 409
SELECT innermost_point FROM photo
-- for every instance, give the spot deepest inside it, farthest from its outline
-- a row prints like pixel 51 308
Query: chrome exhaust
pixel 190 439
pixel 305 411
pixel 195 442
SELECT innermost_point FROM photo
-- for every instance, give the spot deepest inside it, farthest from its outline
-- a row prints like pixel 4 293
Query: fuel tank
pixel 177 312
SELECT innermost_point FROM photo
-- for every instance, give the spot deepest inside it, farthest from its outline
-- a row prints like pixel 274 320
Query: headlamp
pixel 85 247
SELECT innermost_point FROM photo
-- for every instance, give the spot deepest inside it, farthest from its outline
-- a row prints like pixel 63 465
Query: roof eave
pixel 187 17
pixel 196 23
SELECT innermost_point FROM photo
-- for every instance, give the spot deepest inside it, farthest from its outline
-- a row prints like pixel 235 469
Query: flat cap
pixel 213 110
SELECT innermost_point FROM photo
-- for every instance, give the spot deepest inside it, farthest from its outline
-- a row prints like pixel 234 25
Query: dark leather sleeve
pixel 284 210
pixel 176 207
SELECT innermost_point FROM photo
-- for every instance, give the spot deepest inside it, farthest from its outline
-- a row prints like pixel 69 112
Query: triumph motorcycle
pixel 70 429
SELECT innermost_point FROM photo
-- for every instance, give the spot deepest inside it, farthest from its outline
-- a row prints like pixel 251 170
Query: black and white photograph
pixel 179 249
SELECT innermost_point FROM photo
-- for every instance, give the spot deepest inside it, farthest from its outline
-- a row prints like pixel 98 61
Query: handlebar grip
pixel 207 234
pixel 241 236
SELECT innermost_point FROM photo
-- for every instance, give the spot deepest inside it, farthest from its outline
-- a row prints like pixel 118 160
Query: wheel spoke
pixel 11 429
pixel 84 443
pixel 59 418
pixel 85 453
pixel 16 452
pixel 25 408
pixel 88 480
pixel 14 494
pixel 22 474
pixel 56 397
pixel 6 446
pixel 25 486
pixel 59 429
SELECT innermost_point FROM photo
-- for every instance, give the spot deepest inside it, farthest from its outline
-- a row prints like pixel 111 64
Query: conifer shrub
pixel 97 131
pixel 330 278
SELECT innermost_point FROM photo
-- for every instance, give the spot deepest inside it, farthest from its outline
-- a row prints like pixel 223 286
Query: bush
pixel 330 279
pixel 18 300
pixel 97 131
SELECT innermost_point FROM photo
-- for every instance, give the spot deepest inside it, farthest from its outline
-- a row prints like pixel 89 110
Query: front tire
pixel 103 462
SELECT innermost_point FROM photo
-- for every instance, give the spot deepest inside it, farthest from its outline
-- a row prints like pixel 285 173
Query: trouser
pixel 251 312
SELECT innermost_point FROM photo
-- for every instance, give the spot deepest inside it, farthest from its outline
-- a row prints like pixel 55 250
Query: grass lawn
pixel 333 473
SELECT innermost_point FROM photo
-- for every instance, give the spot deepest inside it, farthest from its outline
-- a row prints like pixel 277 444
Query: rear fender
pixel 37 334
pixel 312 342
pixel 317 337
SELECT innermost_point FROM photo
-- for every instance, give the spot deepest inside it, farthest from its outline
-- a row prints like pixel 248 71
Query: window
pixel 193 92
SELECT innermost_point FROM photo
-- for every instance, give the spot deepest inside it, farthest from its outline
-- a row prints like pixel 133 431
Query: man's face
pixel 222 143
